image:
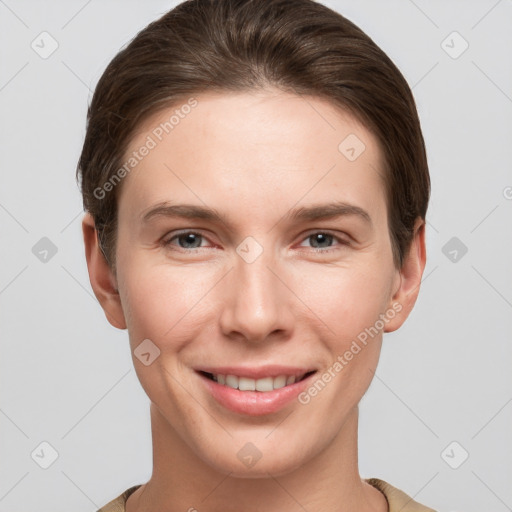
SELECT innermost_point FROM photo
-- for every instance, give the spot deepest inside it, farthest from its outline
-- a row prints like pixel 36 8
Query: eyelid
pixel 175 234
pixel 334 234
pixel 342 241
pixel 304 236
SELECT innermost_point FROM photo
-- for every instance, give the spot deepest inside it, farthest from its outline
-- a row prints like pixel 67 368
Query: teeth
pixel 264 384
pixel 290 380
pixel 245 384
pixel 232 381
pixel 280 382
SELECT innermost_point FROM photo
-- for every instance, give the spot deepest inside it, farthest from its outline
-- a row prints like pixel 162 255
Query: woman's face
pixel 249 279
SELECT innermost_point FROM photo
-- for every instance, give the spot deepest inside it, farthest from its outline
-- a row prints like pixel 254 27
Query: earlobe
pixel 410 278
pixel 102 280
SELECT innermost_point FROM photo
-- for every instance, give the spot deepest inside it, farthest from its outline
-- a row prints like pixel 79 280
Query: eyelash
pixel 167 243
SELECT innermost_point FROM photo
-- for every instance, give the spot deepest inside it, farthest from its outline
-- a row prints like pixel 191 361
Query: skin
pixel 254 156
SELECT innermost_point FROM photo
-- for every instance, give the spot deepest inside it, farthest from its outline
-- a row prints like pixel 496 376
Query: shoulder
pixel 397 499
pixel 118 504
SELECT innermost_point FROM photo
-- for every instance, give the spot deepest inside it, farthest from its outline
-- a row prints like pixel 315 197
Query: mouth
pixel 255 391
pixel 263 385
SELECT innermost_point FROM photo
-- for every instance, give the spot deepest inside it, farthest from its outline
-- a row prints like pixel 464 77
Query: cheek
pixel 346 300
pixel 162 303
pixel 161 300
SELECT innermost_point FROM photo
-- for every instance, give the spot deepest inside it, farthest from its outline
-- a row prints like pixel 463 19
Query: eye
pixel 322 240
pixel 186 240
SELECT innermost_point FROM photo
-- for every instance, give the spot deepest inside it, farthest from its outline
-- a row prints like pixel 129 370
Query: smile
pixel 255 391
pixel 263 385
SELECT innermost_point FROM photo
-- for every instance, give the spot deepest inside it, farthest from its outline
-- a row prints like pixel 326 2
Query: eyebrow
pixel 303 213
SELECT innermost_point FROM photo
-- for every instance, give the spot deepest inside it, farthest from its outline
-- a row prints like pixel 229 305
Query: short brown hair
pixel 298 46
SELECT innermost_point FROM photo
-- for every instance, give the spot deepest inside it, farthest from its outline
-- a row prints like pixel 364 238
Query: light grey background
pixel 67 376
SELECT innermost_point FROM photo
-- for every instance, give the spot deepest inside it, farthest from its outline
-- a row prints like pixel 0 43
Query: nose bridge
pixel 256 300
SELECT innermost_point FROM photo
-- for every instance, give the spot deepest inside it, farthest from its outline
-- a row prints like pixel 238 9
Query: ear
pixel 102 279
pixel 409 278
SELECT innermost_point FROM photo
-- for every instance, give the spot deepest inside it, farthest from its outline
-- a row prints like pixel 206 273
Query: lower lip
pixel 254 403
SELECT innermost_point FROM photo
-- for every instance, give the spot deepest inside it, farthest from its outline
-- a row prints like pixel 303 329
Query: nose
pixel 256 302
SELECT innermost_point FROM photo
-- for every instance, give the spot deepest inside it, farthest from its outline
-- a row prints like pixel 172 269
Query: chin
pixel 260 470
pixel 251 462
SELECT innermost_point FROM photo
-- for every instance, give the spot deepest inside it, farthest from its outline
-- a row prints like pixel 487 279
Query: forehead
pixel 251 149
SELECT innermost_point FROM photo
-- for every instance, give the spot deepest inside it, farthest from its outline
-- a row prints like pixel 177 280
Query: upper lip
pixel 259 372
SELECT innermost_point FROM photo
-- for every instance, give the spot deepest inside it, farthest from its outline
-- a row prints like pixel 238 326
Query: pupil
pixel 320 237
pixel 189 238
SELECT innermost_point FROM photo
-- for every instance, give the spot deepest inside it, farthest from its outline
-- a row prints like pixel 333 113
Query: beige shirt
pixel 397 500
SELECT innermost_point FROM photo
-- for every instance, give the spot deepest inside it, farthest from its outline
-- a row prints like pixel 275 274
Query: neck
pixel 181 480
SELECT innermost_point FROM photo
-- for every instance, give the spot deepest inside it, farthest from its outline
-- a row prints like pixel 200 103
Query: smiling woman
pixel 258 248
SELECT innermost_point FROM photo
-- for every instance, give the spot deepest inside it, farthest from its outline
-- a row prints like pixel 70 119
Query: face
pixel 253 242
